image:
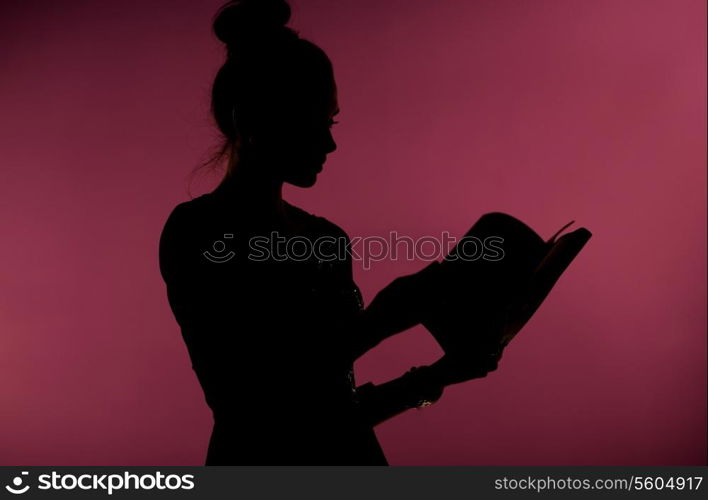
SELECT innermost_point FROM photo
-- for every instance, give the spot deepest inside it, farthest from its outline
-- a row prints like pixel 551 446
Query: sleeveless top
pixel 264 317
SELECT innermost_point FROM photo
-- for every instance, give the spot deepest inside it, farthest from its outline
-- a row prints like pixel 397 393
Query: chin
pixel 303 181
pixel 305 177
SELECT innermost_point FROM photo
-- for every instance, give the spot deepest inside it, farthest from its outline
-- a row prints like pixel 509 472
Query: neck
pixel 252 189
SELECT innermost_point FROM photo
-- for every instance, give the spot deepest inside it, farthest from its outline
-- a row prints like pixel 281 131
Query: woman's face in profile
pixel 300 139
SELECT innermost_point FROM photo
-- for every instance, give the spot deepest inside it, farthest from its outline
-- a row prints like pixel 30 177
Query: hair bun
pixel 240 22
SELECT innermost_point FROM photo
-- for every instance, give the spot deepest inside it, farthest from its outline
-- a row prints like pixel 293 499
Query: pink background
pixel 548 110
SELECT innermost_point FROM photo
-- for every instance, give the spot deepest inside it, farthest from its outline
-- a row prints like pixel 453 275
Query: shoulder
pixel 187 211
pixel 321 226
pixel 192 217
pixel 331 243
pixel 176 226
pixel 181 230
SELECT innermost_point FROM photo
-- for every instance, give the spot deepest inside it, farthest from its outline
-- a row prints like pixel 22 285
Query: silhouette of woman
pixel 272 340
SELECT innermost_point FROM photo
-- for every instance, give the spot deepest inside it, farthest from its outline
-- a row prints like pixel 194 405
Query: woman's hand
pixel 399 306
pixel 449 370
pixel 481 353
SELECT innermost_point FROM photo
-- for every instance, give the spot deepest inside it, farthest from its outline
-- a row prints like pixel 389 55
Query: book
pixel 481 300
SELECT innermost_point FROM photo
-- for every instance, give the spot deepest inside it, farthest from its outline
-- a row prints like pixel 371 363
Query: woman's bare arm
pixel 395 308
pixel 414 389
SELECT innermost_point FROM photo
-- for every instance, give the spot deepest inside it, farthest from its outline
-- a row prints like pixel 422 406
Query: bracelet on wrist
pixel 422 391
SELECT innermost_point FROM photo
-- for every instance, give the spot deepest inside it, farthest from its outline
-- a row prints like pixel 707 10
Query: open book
pixel 483 300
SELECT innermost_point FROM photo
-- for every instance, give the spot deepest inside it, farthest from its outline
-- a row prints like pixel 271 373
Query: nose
pixel 331 145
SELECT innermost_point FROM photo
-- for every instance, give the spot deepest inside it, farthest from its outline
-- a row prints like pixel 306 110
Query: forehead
pixel 333 103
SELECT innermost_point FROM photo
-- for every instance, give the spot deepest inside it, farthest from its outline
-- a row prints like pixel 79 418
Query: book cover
pixel 490 285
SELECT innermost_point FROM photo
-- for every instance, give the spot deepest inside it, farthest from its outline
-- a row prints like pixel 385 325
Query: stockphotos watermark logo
pixel 106 482
pixel 18 487
pixel 367 249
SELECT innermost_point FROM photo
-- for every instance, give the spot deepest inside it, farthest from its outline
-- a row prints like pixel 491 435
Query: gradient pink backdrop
pixel 549 110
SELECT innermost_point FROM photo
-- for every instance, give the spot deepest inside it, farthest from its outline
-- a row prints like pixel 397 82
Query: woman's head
pixel 274 98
